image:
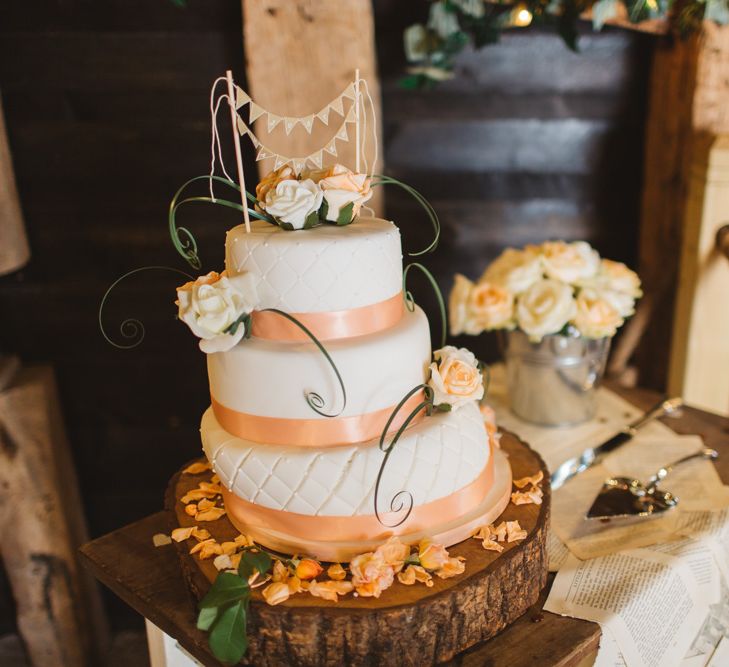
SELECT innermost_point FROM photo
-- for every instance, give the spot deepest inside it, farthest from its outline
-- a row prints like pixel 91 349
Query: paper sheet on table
pixel 696 484
pixel 650 602
pixel 699 561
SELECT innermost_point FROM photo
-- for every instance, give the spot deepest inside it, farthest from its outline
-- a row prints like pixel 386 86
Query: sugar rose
pixel 342 187
pixel 595 316
pixel 569 262
pixel 272 179
pixel 291 202
pixel 371 574
pixel 455 377
pixel 212 307
pixel 545 308
pixel 515 270
pixel 483 306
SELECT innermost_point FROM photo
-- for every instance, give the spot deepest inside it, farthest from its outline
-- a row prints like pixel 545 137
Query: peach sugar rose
pixel 455 377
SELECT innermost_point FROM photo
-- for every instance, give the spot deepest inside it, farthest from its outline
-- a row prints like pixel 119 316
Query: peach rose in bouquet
pixel 477 307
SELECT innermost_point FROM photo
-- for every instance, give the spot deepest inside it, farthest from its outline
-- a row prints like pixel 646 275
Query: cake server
pixel 625 497
pixel 593 455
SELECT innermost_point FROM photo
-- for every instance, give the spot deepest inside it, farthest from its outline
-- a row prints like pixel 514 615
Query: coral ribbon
pixel 321 432
pixel 329 325
pixel 246 515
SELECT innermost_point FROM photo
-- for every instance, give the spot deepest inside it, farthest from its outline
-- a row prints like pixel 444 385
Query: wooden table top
pixel 149 579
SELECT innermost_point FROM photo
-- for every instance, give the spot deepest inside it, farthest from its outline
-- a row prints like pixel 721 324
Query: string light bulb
pixel 520 16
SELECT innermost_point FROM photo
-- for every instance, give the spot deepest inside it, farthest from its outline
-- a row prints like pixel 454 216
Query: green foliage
pixel 346 214
pixel 254 561
pixel 227 587
pixel 432 46
pixel 227 639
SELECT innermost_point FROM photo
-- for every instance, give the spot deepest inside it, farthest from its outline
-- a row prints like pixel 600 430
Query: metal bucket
pixel 553 382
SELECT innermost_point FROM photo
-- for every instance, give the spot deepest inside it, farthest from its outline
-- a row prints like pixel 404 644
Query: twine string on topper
pixel 361 100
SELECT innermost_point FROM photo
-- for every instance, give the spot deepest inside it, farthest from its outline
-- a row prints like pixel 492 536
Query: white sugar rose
pixel 515 270
pixel 291 202
pixel 474 308
pixel 342 187
pixel 595 317
pixel 455 377
pixel 569 262
pixel 545 308
pixel 211 306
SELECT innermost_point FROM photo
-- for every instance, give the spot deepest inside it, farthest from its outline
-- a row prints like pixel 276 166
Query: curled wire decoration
pixel 182 238
pixel 403 500
pixel 314 399
pixel 131 328
pixel 381 179
pixel 410 301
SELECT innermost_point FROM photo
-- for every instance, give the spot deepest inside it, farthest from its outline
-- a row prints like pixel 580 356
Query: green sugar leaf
pixel 228 640
pixel 207 617
pixel 346 214
pixel 311 220
pixel 250 562
pixel 228 587
pixel 324 210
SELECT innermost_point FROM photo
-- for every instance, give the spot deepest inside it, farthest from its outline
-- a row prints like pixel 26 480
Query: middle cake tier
pixel 259 388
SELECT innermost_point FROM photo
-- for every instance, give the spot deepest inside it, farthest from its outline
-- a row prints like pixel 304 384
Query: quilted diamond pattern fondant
pixel 433 459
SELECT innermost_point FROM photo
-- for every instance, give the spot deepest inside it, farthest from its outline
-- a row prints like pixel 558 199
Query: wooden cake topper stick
pixel 236 143
pixel 356 122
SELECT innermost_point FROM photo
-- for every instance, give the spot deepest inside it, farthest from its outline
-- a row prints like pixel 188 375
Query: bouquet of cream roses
pixel 547 289
pixel 334 195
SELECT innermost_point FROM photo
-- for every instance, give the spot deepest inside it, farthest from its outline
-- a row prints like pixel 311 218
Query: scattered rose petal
pixel 213 514
pixel 200 534
pixel 529 481
pixel 452 568
pixel 514 531
pixel 209 487
pixel 196 468
pixel 276 593
pixel 223 562
pixel 243 541
pixel 229 548
pixel 195 495
pixel 394 553
pixel 413 573
pixel 182 534
pixel 295 585
pixel 215 479
pixel 206 549
pixel 280 571
pixel 432 556
pixel 308 569
pixel 531 497
pixel 205 504
pixel 191 509
pixel 337 572
pixel 330 590
pixel 235 561
pixel 492 545
pixel 160 539
pixel 499 532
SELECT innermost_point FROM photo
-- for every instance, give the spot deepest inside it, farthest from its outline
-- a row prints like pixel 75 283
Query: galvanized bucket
pixel 553 382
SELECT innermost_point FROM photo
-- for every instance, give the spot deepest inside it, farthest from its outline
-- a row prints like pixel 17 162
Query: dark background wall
pixel 106 107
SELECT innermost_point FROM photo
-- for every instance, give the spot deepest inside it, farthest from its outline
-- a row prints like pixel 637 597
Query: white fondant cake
pixel 269 378
pixel 327 268
pixel 433 459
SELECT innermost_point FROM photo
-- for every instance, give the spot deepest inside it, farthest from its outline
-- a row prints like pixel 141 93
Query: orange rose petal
pixel 213 514
pixel 205 504
pixel 308 569
pixel 191 509
pixel 223 562
pixel 527 481
pixel 194 495
pixel 229 548
pixel 492 545
pixel 243 541
pixel 337 572
pixel 295 585
pixel 330 590
pixel 514 531
pixel 452 568
pixel 499 532
pixel 160 539
pixel 276 593
pixel 196 468
pixel 182 534
pixel 200 534
pixel 235 561
pixel 209 487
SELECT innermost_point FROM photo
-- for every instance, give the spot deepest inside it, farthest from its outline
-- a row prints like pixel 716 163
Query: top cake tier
pixel 327 268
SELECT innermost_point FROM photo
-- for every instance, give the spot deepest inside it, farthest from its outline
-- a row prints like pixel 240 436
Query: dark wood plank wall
pixel 107 114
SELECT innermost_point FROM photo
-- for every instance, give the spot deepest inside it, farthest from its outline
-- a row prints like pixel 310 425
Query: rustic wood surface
pixel 407 624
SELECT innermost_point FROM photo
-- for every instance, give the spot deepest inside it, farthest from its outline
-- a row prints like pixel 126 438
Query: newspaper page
pixel 663 605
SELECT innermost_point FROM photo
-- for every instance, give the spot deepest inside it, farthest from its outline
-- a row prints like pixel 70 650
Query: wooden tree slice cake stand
pixel 407 625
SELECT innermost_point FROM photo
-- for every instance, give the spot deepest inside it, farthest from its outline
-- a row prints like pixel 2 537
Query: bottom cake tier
pixel 443 480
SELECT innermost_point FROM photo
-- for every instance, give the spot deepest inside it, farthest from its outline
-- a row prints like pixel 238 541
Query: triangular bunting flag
pixel 316 158
pixel 331 147
pixel 307 123
pixel 342 133
pixel 242 127
pixel 323 115
pixel 351 116
pixel 255 111
pixel 281 160
pixel 349 92
pixel 289 124
pixel 273 120
pixel 337 106
pixel 254 139
pixel 299 164
pixel 262 154
pixel 241 97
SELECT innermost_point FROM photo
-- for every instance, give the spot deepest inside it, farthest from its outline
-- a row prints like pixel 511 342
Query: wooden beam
pixel 301 55
pixel 14 250
pixel 689 95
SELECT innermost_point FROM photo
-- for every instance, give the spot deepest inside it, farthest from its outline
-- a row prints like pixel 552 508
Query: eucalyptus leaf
pixel 227 587
pixel 346 214
pixel 207 617
pixel 227 639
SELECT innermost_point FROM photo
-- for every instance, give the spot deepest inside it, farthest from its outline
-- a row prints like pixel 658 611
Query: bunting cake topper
pixel 348 112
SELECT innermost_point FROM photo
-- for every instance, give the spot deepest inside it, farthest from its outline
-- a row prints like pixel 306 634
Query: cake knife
pixel 593 455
